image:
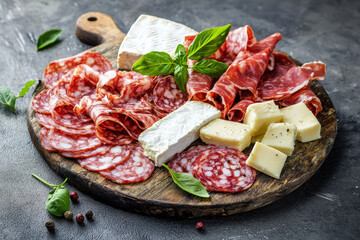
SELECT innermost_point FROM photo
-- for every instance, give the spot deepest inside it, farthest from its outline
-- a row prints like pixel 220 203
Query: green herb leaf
pixel 26 88
pixel 48 38
pixel 210 67
pixel 154 63
pixel 181 76
pixel 58 200
pixel 7 97
pixel 180 57
pixel 207 42
pixel 188 183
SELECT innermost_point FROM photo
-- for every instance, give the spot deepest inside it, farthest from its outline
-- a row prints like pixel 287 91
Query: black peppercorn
pixel 89 214
pixel 50 225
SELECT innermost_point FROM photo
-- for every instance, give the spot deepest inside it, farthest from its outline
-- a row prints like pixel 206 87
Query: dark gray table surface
pixel 325 207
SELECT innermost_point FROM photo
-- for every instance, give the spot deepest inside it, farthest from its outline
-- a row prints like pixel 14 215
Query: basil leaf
pixel 210 67
pixel 181 76
pixel 48 38
pixel 207 42
pixel 154 63
pixel 58 201
pixel 7 97
pixel 26 88
pixel 188 183
pixel 180 55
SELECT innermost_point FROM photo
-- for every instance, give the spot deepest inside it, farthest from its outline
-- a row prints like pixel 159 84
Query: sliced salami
pixel 55 70
pixel 44 138
pixel 136 168
pixel 237 112
pixel 223 170
pixel 41 101
pixel 90 153
pixel 115 156
pixel 166 94
pixel 72 143
pixel 183 161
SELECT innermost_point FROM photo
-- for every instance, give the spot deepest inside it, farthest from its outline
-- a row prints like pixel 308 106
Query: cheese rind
pixel 226 133
pixel 267 160
pixel 259 116
pixel 308 127
pixel 176 131
pixel 281 136
pixel 150 33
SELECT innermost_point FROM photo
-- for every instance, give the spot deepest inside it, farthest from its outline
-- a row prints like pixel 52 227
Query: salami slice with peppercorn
pixel 136 168
pixel 56 69
pixel 223 170
pixel 115 156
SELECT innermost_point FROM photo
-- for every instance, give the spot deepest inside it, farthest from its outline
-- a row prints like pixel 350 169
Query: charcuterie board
pixel 159 195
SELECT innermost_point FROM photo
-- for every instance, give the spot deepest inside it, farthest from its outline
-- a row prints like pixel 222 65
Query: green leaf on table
pixel 7 97
pixel 210 67
pixel 207 42
pixel 181 76
pixel 154 63
pixel 48 38
pixel 26 88
pixel 188 183
pixel 180 57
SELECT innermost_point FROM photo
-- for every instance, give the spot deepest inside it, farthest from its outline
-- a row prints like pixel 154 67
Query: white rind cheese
pixel 150 33
pixel 281 136
pixel 226 133
pixel 176 131
pixel 267 160
pixel 308 127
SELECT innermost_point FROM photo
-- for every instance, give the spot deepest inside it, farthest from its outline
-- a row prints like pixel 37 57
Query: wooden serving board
pixel 159 195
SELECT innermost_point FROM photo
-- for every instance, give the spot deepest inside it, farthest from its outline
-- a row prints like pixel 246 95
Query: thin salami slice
pixel 223 170
pixel 136 168
pixel 90 153
pixel 72 143
pixel 115 156
pixel 166 94
pixel 183 161
pixel 44 134
pixel 55 70
pixel 41 101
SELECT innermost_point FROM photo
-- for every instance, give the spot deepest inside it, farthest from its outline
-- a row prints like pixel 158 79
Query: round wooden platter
pixel 159 195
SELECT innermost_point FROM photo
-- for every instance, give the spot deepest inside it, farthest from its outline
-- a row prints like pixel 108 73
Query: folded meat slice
pixel 237 112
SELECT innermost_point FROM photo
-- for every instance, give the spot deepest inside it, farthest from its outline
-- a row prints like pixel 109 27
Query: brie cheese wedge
pixel 176 131
pixel 150 33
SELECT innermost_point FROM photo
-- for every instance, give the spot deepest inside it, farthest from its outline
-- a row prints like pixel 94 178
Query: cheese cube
pixel 281 136
pixel 308 127
pixel 226 133
pixel 150 33
pixel 267 160
pixel 176 131
pixel 259 116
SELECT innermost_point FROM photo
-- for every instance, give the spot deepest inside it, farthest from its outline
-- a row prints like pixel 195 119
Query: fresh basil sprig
pixel 47 38
pixel 206 43
pixel 210 67
pixel 188 183
pixel 8 98
pixel 58 200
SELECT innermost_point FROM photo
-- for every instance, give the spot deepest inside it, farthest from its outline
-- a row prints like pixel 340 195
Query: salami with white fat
pixel 223 170
pixel 90 153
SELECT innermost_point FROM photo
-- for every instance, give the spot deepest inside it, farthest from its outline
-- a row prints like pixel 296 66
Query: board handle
pixel 95 28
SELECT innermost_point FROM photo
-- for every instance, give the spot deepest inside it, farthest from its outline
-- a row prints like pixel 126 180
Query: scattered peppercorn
pixel 50 225
pixel 74 196
pixel 79 218
pixel 68 215
pixel 89 214
pixel 200 226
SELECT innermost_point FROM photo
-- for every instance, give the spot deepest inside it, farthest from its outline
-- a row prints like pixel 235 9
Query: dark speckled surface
pixel 325 207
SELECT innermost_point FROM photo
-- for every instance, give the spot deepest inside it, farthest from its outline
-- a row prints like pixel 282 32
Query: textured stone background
pixel 326 207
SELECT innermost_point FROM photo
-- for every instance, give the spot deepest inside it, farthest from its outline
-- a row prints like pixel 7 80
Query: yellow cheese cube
pixel 226 133
pixel 267 160
pixel 259 115
pixel 281 136
pixel 308 127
